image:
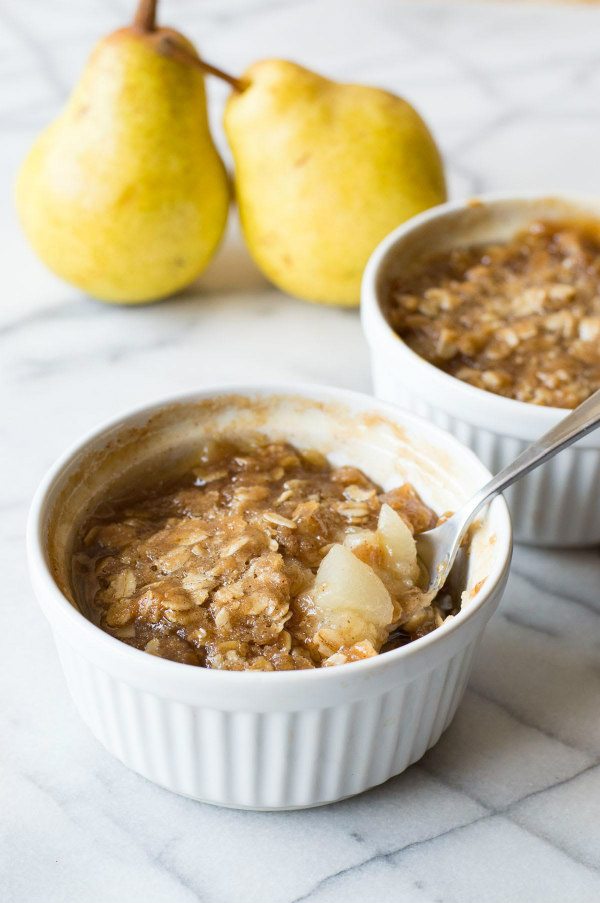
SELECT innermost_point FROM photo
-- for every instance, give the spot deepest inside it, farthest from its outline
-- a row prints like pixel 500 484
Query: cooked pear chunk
pixel 398 544
pixel 350 599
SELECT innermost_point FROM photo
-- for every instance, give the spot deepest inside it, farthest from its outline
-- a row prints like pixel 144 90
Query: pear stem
pixel 145 15
pixel 175 51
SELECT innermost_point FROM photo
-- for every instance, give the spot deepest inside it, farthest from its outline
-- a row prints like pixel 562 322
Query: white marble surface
pixel 506 807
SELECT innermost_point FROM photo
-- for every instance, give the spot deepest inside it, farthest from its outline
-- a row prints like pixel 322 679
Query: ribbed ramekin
pixel 557 505
pixel 267 740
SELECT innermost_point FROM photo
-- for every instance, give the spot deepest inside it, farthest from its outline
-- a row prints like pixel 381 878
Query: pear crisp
pixel 260 557
pixel 520 318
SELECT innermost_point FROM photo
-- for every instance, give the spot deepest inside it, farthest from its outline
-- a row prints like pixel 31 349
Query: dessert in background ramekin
pixel 554 506
pixel 253 739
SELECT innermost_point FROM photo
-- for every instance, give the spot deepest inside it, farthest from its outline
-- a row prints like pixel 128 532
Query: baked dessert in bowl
pixel 257 555
pixel 240 680
pixel 484 316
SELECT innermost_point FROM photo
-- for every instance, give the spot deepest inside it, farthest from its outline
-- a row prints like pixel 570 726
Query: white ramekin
pixel 557 505
pixel 267 740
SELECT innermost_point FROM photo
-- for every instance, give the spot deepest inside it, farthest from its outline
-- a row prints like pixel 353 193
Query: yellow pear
pixel 323 172
pixel 125 195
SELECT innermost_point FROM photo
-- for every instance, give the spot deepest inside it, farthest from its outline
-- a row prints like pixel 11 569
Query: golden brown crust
pixel 520 318
pixel 212 568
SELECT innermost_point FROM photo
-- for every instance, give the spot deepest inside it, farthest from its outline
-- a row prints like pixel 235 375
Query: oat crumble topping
pixel 520 318
pixel 261 557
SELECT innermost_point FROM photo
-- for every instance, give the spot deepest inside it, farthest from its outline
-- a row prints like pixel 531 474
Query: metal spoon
pixel 437 548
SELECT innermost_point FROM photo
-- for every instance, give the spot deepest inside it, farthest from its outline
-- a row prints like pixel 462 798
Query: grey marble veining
pixel 505 808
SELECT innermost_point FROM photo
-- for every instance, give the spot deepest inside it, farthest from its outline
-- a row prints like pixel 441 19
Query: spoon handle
pixel 580 422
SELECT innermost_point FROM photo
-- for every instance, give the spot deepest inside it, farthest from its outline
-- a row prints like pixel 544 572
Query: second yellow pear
pixel 323 172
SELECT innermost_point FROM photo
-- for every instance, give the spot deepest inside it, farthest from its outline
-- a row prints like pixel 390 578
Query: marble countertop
pixel 505 808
